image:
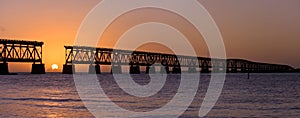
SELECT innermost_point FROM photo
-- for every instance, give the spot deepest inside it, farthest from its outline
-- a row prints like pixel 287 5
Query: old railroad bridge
pixel 31 52
pixel 21 51
pixel 169 63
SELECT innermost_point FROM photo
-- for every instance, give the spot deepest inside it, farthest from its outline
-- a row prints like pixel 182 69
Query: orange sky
pixel 258 30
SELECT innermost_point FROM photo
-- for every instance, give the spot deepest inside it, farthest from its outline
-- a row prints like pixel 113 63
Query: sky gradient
pixel 257 30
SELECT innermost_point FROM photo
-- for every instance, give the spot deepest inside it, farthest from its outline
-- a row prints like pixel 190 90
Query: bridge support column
pixel 216 69
pixel 135 69
pixel 150 70
pixel 4 68
pixel 38 69
pixel 116 69
pixel 94 69
pixel 165 69
pixel 204 69
pixel 176 70
pixel 192 70
pixel 222 70
pixel 243 70
pixel 234 70
pixel 68 69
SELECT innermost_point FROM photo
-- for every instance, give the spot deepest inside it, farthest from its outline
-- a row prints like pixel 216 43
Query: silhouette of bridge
pixel 169 63
pixel 21 51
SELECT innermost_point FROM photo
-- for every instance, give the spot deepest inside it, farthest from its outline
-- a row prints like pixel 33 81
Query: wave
pixel 42 99
pixel 58 106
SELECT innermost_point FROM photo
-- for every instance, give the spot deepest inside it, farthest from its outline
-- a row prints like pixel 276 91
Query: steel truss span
pixel 107 56
pixel 21 51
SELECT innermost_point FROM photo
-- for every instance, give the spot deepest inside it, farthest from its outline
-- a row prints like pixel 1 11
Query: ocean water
pixel 55 95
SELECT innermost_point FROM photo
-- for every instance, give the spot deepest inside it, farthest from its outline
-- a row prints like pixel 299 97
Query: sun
pixel 54 66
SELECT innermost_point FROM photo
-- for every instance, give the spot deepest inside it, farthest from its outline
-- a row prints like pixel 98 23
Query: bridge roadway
pixel 169 63
pixel 21 51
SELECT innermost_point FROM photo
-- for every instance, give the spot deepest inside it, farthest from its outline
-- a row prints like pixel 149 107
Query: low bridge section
pixel 21 51
pixel 169 63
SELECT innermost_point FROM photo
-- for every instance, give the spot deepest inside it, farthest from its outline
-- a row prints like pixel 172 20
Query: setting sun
pixel 54 66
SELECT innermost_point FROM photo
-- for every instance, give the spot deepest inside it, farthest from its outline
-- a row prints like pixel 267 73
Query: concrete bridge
pixel 21 51
pixel 169 63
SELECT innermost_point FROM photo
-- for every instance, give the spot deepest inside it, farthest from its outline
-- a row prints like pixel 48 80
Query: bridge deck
pixel 12 41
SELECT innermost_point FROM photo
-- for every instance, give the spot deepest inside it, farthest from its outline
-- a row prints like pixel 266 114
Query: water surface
pixel 55 95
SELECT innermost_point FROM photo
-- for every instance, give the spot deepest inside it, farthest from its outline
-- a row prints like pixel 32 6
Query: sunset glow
pixel 266 31
pixel 149 58
pixel 54 66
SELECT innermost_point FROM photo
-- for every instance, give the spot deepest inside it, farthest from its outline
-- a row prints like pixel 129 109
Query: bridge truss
pixel 21 51
pixel 106 56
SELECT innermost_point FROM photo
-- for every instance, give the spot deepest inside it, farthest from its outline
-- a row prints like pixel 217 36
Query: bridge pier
pixel 176 70
pixel 4 69
pixel 216 69
pixel 204 69
pixel 243 70
pixel 165 69
pixel 68 69
pixel 38 69
pixel 116 69
pixel 222 70
pixel 135 69
pixel 234 70
pixel 94 69
pixel 192 70
pixel 150 70
pixel 231 70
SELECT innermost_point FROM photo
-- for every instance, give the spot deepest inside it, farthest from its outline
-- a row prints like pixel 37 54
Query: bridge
pixel 169 63
pixel 23 52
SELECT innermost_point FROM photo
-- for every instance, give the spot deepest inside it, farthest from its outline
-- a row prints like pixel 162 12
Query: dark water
pixel 55 95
